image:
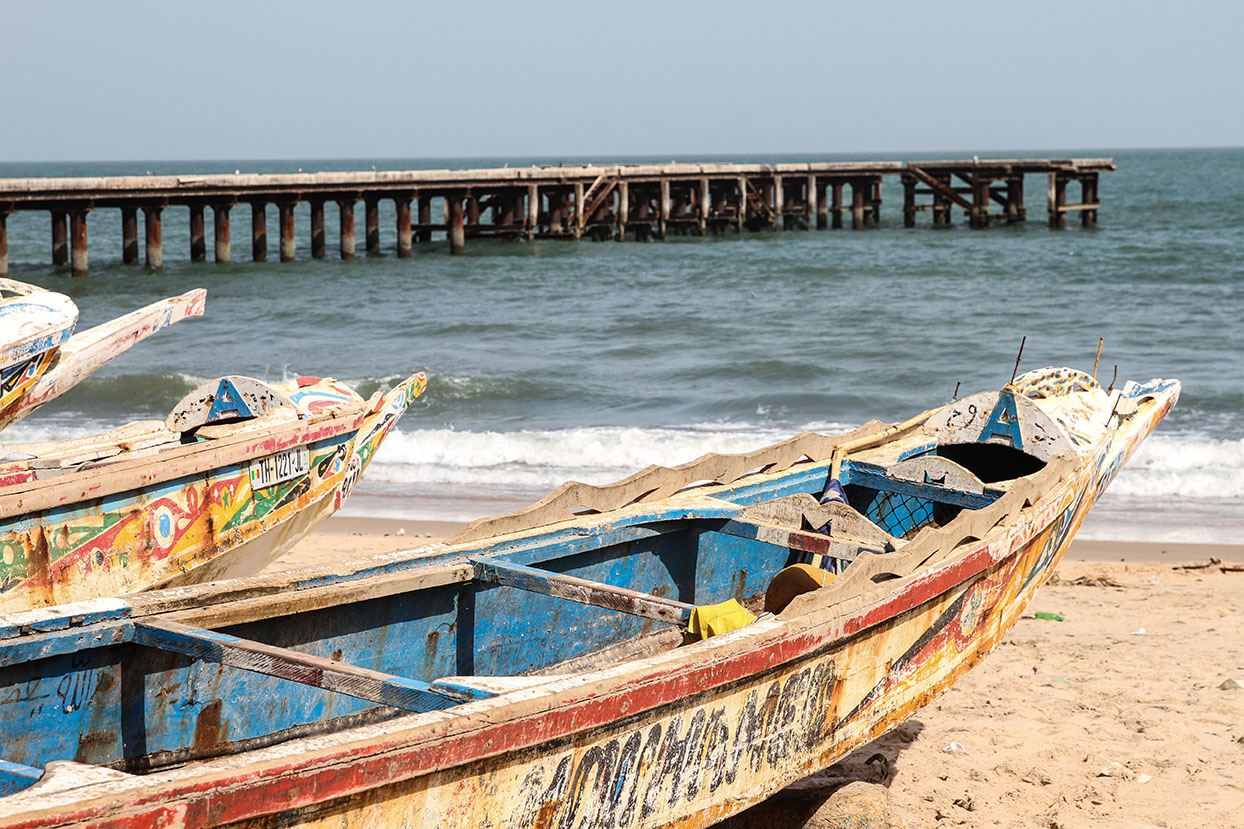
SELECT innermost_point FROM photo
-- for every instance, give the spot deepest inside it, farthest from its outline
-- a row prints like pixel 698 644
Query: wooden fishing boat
pixel 40 360
pixel 235 475
pixel 552 667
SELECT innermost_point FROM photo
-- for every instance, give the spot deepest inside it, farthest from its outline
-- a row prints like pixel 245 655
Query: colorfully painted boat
pixel 568 665
pixel 237 473
pixel 40 360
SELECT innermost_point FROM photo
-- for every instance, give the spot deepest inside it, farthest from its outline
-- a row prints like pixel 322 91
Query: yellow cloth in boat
pixel 712 619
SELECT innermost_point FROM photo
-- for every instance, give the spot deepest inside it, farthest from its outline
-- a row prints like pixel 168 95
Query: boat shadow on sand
pixel 852 792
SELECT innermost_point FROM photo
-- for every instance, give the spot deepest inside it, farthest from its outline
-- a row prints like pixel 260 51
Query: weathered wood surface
pixel 684 737
pixel 136 507
pixel 378 687
pixel 86 351
pixel 583 591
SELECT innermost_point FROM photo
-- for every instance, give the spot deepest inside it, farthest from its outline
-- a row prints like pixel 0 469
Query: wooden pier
pixel 641 201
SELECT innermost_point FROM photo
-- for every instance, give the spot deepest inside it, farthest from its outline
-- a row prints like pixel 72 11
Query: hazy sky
pixel 163 80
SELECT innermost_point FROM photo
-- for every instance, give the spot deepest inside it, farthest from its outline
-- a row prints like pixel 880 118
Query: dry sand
pixel 1115 717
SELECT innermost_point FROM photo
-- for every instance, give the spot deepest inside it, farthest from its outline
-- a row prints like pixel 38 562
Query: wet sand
pixel 1123 714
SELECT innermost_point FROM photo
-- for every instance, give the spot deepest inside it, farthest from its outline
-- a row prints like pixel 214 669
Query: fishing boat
pixel 664 651
pixel 40 356
pixel 237 473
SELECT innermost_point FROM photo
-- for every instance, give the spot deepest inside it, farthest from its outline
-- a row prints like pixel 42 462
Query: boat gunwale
pixel 100 479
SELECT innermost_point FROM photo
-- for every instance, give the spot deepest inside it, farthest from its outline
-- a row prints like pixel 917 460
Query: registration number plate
pixel 282 466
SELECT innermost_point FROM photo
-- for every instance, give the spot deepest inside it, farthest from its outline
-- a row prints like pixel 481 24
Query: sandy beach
pixel 1127 713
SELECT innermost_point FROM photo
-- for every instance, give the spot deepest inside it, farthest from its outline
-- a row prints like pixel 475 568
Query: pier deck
pixel 601 202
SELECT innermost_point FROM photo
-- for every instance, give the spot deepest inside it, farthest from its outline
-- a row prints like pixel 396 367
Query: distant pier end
pixel 640 201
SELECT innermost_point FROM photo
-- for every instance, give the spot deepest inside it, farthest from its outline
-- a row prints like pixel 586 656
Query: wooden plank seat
pixel 584 591
pixel 909 482
pixel 283 663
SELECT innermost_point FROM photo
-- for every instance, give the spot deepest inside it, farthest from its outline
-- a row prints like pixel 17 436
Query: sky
pixel 125 80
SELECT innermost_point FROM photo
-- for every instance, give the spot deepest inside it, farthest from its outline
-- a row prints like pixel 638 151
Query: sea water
pixel 557 360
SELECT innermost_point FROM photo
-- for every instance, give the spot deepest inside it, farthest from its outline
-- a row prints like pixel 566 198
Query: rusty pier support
pixel 289 243
pixel 155 237
pixel 457 236
pixel 317 229
pixel 259 231
pixel 371 226
pixel 345 208
pixel 129 235
pixel 77 241
pixel 60 238
pixel 220 225
pixel 402 204
pixel 425 218
pixel 198 248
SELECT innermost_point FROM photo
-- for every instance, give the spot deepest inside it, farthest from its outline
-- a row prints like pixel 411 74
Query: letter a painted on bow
pixel 1004 421
pixel 228 402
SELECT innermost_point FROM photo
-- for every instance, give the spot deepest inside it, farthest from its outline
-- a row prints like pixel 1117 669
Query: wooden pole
pixel 155 240
pixel 345 209
pixel 1015 199
pixel 740 215
pixel 77 240
pixel 533 211
pixel 129 235
pixel 472 215
pixel 425 218
pixel 60 239
pixel 706 205
pixel 909 201
pixel 810 203
pixel 289 244
pixel 979 219
pixel 1058 199
pixel 317 229
pixel 837 209
pixel 624 209
pixel 371 225
pixel 403 227
pixel 457 236
pixel 198 246
pixel 1088 195
pixel 857 204
pixel 220 223
pixel 579 218
pixel 259 231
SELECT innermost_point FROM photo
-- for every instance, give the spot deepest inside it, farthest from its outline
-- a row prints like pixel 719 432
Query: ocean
pixel 558 360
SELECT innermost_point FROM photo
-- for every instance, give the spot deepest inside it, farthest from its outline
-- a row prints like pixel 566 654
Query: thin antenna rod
pixel 1018 357
pixel 1097 359
pixel 955 396
pixel 1113 378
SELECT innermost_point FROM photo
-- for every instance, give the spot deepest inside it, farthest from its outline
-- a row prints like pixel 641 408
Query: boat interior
pixel 159 680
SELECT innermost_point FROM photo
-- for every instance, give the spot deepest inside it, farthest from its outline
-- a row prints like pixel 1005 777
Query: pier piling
pixel 289 242
pixel 403 227
pixel 155 237
pixel 259 231
pixel 220 224
pixel 371 224
pixel 457 238
pixel 77 239
pixel 60 239
pixel 129 235
pixel 198 247
pixel 317 229
pixel 345 208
